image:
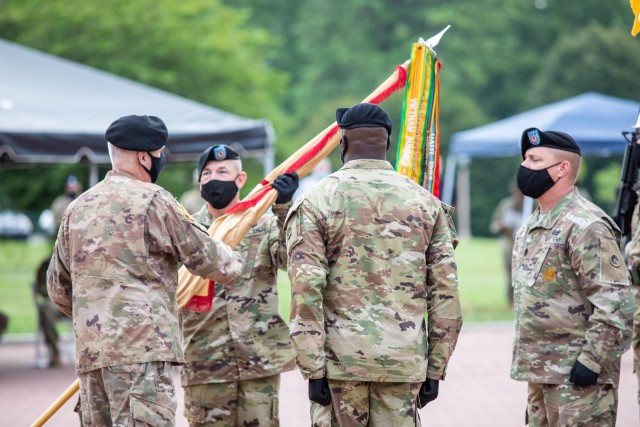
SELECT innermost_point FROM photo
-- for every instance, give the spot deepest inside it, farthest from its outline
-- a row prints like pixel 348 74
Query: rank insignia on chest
pixel 550 274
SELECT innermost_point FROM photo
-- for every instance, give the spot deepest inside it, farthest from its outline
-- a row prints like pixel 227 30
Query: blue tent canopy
pixel 594 120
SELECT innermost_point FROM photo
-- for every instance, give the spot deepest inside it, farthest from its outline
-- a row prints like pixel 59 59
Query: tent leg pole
pixel 449 180
pixel 464 198
pixel 93 174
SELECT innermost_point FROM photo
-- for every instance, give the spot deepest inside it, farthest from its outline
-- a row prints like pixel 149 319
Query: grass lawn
pixel 18 263
pixel 482 282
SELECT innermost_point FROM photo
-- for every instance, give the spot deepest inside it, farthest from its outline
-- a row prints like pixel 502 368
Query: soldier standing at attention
pixel 235 352
pixel 115 271
pixel 572 300
pixel 632 251
pixel 370 253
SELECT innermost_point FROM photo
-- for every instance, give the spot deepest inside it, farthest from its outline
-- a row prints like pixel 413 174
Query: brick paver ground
pixel 477 392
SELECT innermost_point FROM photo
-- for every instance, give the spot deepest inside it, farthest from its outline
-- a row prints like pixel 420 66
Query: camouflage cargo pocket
pixel 294 233
pixel 150 412
pixel 449 212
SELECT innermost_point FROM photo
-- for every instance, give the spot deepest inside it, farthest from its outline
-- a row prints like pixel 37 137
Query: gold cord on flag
pixel 418 152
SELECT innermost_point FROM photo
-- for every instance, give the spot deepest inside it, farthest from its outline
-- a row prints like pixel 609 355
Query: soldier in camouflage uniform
pixel 506 219
pixel 114 270
pixel 48 313
pixel 573 304
pixel 72 189
pixel 633 261
pixel 370 254
pixel 235 353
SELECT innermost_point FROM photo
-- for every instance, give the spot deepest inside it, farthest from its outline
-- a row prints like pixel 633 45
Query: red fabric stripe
pixel 202 303
pixel 314 150
pixel 400 82
pixel 246 204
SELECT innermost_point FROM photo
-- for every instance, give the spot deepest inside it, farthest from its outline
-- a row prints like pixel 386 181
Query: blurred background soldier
pixel 72 189
pixel 505 221
pixel 573 304
pixel 370 254
pixel 4 323
pixel 235 353
pixel 191 199
pixel 115 271
pixel 48 313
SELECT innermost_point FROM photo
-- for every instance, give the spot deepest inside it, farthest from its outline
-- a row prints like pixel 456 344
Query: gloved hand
pixel 286 185
pixel 582 376
pixel 319 391
pixel 428 392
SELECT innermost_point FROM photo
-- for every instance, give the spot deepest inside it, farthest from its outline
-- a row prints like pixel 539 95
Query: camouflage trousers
pixel 243 403
pixel 358 403
pixel 567 405
pixel 140 394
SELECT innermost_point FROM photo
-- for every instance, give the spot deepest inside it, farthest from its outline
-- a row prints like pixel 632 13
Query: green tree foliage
pixel 586 62
pixel 200 49
pixel 294 61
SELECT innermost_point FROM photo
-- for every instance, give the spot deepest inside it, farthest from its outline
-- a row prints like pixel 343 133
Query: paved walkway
pixel 477 392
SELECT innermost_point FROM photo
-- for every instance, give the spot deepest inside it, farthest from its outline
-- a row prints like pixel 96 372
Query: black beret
pixel 216 153
pixel 363 116
pixel 534 137
pixel 138 133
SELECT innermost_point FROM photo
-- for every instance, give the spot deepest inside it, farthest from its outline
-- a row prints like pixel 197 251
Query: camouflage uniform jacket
pixel 242 337
pixel 633 247
pixel 114 270
pixel 370 253
pixel 572 295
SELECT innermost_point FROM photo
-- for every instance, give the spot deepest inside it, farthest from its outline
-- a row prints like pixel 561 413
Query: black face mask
pixel 535 182
pixel 219 193
pixel 157 163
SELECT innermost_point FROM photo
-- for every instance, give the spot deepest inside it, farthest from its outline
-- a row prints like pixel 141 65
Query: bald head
pixel 121 158
pixel 364 143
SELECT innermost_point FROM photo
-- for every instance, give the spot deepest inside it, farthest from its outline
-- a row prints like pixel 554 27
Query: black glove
pixel 428 392
pixel 319 391
pixel 582 376
pixel 286 185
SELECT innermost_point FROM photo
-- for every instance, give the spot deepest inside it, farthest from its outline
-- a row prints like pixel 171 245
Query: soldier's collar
pixel 367 164
pixel 549 219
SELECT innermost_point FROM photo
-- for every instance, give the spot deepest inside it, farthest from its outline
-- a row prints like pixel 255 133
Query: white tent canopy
pixel 56 111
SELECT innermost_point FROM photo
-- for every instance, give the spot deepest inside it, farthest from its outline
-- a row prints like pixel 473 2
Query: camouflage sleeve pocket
pixel 294 232
pixel 612 267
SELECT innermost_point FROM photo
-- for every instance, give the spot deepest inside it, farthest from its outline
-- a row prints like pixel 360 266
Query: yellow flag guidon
pixel 635 7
